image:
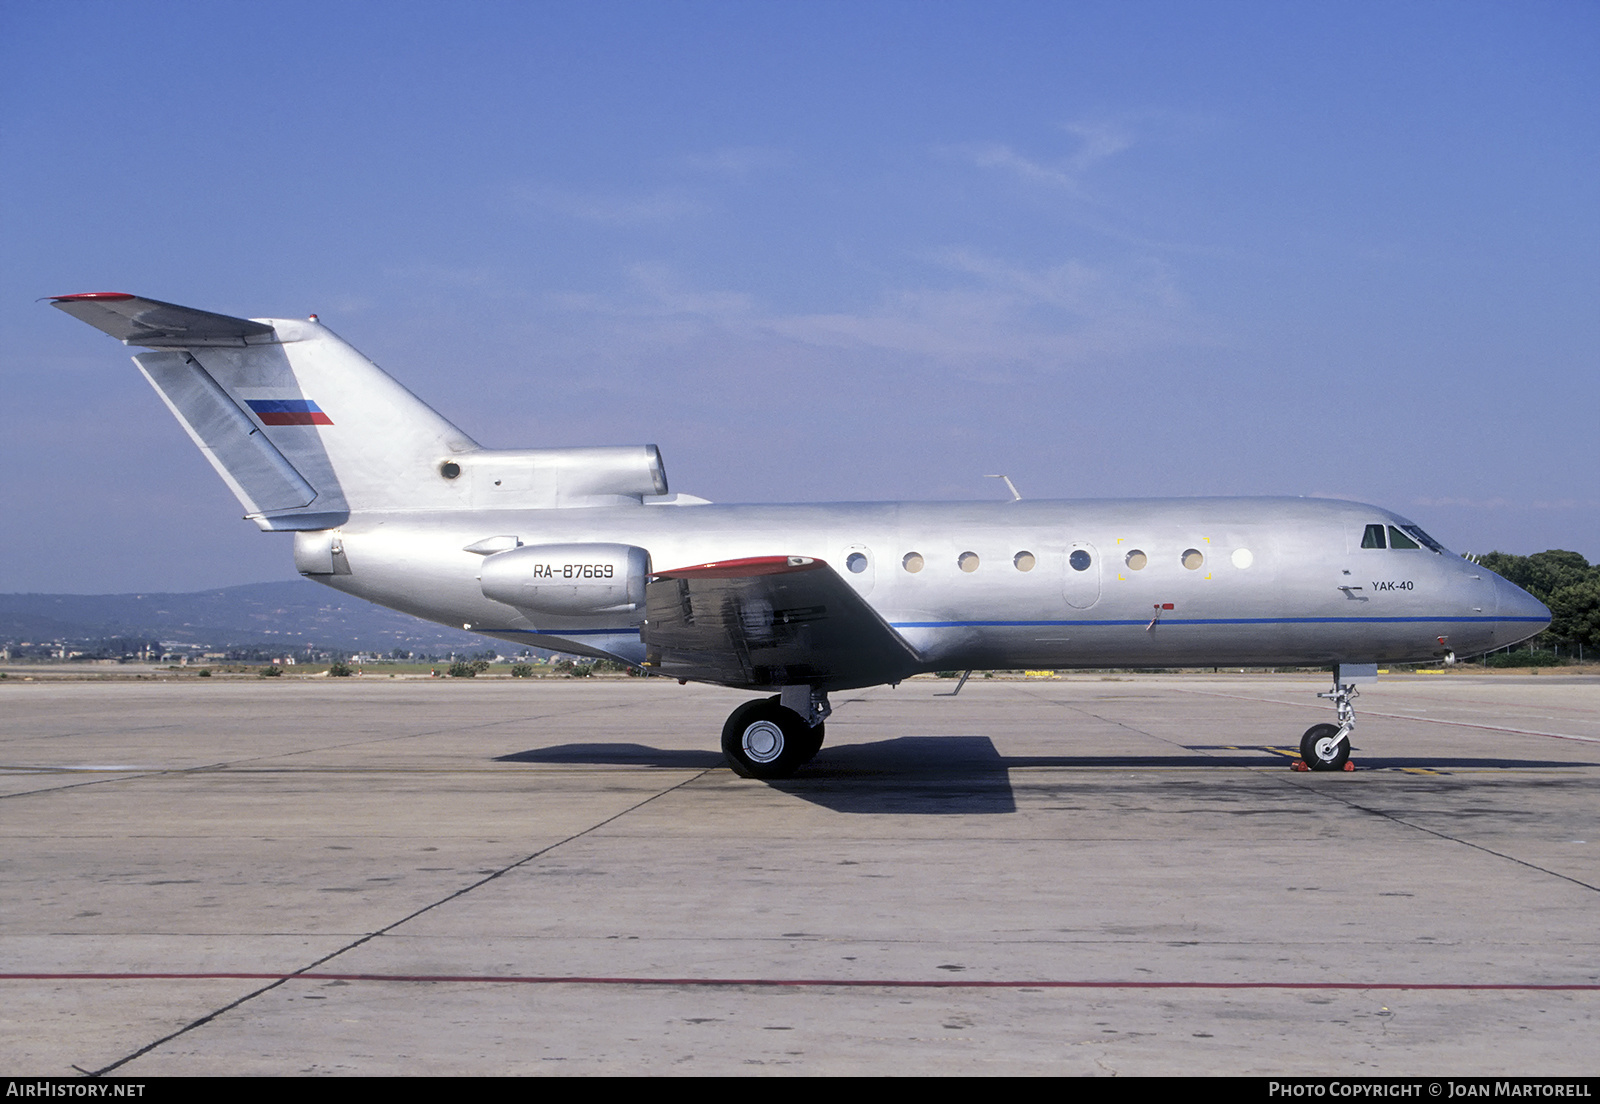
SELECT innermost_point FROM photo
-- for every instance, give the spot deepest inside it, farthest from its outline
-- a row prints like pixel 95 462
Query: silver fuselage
pixel 556 547
pixel 1268 581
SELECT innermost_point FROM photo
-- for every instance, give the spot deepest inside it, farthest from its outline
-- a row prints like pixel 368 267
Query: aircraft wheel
pixel 762 739
pixel 810 739
pixel 1321 751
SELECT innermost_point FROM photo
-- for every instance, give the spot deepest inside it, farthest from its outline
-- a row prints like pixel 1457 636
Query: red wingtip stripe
pixel 741 569
pixel 91 295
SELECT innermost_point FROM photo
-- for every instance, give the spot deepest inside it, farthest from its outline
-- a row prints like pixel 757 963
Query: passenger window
pixel 1373 537
pixel 1136 560
pixel 856 562
pixel 1024 561
pixel 1398 539
pixel 968 562
pixel 1193 558
pixel 912 562
pixel 1079 560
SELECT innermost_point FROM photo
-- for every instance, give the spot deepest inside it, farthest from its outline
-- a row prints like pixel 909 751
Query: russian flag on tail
pixel 281 412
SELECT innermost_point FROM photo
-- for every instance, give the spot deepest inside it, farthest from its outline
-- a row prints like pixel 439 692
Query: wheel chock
pixel 1349 766
pixel 1298 765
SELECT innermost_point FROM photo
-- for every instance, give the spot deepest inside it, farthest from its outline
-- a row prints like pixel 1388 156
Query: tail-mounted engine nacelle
pixel 570 579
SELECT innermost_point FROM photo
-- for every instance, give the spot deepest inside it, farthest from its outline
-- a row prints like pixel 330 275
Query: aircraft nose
pixel 1519 614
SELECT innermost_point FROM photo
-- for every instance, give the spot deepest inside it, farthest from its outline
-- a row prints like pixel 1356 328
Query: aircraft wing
pixel 768 622
pixel 159 325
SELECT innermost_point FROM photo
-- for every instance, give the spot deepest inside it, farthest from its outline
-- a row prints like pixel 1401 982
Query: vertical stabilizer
pixel 307 431
pixel 351 430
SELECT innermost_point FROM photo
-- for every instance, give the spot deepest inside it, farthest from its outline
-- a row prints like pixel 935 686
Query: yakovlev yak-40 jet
pixel 583 550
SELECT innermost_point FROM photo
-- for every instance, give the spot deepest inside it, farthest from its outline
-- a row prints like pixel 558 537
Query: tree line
pixel 1564 581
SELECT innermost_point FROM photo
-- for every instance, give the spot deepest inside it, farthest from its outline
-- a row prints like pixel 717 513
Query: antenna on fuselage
pixel 1015 494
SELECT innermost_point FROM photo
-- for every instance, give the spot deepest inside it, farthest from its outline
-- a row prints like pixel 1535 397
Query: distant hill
pixel 289 615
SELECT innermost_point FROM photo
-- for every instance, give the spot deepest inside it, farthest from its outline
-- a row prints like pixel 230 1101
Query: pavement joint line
pixel 1582 713
pixel 1403 717
pixel 838 983
pixel 352 945
pixel 92 782
pixel 503 769
pixel 1121 724
pixel 154 772
pixel 1390 816
pixel 1295 782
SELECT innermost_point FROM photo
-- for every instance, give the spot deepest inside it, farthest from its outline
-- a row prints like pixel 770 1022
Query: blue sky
pixel 824 251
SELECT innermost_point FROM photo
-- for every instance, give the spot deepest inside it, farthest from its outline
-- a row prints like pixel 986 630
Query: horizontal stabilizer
pixel 158 325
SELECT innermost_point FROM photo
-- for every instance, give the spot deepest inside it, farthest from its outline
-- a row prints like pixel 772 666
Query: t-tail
pixel 307 431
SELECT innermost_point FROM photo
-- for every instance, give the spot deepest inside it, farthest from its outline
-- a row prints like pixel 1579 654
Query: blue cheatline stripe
pixel 564 632
pixel 1166 622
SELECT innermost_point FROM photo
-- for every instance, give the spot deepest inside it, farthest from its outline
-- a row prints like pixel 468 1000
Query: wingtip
pixel 745 568
pixel 89 295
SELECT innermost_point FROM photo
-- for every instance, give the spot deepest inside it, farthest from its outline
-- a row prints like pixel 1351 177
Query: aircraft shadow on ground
pixel 1460 763
pixel 910 775
pixel 961 775
pixel 934 775
pixel 1248 755
pixel 618 755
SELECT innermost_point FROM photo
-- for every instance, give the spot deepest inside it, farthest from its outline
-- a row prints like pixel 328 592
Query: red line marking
pixel 843 983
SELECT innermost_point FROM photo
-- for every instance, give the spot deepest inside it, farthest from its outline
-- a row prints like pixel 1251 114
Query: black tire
pixel 762 739
pixel 810 739
pixel 1319 751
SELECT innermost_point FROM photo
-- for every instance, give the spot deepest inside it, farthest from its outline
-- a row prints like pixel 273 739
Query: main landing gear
pixel 774 737
pixel 1326 747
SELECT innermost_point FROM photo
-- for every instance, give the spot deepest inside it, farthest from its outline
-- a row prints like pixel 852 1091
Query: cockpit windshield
pixel 1411 537
pixel 1426 541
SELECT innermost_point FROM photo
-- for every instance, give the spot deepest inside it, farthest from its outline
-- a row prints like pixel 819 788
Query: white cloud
pixel 989 313
pixel 1097 142
pixel 1101 140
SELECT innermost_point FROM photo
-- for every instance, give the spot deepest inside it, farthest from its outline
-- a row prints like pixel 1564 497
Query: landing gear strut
pixel 1326 747
pixel 774 737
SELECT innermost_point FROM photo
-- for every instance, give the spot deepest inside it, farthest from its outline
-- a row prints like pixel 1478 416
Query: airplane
pixel 584 551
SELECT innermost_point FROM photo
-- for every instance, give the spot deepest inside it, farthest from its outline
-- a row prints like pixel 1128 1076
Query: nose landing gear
pixel 1326 747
